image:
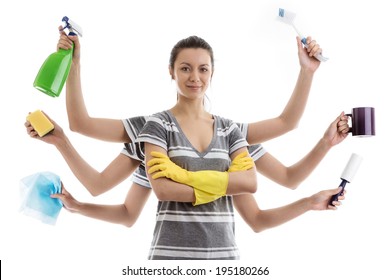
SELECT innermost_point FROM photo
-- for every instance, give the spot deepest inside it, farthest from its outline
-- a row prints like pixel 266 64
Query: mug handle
pixel 350 128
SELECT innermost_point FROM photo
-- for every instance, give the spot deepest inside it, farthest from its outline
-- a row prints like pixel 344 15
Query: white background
pixel 125 51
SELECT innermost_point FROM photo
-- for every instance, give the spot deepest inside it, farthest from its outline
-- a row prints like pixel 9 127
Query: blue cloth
pixel 35 191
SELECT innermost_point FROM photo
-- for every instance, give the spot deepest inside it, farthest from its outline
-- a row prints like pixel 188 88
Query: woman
pixel 196 140
pixel 331 138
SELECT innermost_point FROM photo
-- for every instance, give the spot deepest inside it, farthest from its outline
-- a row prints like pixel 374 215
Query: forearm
pixel 270 218
pixel 261 131
pixel 95 182
pixel 295 107
pixel 168 190
pixel 79 120
pixel 242 182
pixel 75 105
pixel 260 220
pixel 303 168
pixel 117 214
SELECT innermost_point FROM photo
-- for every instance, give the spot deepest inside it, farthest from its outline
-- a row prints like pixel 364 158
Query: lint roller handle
pixel 335 197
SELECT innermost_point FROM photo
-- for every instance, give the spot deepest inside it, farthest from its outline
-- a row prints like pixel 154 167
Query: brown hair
pixel 193 42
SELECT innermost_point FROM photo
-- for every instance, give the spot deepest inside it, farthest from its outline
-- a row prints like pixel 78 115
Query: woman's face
pixel 192 72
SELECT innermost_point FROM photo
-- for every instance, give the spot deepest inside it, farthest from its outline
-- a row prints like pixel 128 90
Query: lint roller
pixel 348 174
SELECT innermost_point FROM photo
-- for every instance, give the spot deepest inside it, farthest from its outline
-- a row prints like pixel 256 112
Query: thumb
pixel 336 190
pixel 61 30
pixel 299 43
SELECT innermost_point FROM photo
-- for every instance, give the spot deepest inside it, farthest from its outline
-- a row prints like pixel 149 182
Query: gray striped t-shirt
pixel 184 231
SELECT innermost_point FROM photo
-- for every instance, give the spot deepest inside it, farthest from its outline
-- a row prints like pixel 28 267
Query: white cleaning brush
pixel 288 18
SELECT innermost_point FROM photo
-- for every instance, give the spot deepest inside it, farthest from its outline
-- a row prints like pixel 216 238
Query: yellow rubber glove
pixel 202 197
pixel 241 162
pixel 208 181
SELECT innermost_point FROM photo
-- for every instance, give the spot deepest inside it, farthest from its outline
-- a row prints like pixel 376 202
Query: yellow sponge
pixel 40 123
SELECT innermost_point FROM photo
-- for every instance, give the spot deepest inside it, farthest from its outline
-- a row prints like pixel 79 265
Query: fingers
pixel 158 158
pixel 30 130
pixel 342 195
pixel 66 42
pixel 155 168
pixel 57 195
pixel 158 175
pixel 342 123
pixel 337 203
pixel 312 47
pixel 158 155
pixel 156 161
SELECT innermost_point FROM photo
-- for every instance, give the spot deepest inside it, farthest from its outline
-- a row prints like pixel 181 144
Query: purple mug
pixel 363 121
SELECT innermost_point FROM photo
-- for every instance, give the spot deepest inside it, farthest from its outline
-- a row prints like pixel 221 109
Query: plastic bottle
pixel 55 69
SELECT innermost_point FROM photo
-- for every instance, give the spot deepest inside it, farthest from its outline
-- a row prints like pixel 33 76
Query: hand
pixel 162 166
pixel 70 204
pixel 306 55
pixel 342 125
pixel 320 201
pixel 337 131
pixel 53 137
pixel 241 162
pixel 66 42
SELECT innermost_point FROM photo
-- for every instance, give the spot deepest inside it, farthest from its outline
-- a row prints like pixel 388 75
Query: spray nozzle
pixel 71 27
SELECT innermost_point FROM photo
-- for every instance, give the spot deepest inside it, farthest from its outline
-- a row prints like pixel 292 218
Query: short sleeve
pixel 154 132
pixel 133 126
pixel 255 151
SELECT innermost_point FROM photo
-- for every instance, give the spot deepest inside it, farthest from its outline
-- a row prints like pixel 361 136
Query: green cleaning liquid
pixel 54 72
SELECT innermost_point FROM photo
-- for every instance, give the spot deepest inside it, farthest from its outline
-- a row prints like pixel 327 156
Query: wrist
pixel 308 204
pixel 77 207
pixel 307 72
pixel 325 144
pixel 62 143
pixel 75 67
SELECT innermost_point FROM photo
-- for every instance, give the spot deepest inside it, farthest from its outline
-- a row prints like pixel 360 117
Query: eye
pixel 185 69
pixel 204 69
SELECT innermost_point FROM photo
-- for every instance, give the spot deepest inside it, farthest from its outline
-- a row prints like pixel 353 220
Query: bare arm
pixel 125 214
pixel 260 220
pixel 95 182
pixel 79 119
pixel 262 131
pixel 293 175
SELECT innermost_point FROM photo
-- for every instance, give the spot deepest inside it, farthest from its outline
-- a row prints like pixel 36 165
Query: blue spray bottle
pixel 54 71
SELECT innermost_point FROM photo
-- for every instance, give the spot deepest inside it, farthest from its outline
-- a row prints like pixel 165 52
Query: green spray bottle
pixel 55 70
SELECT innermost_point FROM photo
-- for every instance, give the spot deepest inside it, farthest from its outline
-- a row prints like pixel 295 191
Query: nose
pixel 194 77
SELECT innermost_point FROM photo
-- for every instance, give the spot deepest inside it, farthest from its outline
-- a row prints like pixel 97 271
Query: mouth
pixel 193 87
